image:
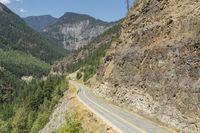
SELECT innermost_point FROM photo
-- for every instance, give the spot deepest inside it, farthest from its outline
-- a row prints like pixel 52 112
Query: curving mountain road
pixel 116 117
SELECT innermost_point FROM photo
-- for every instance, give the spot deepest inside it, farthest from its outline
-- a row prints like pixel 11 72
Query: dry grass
pixel 90 122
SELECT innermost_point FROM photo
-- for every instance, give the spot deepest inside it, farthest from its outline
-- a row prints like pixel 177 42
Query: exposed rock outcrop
pixel 155 67
pixel 76 30
pixel 106 38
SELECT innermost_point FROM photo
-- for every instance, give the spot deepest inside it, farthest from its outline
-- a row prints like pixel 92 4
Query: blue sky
pixel 108 10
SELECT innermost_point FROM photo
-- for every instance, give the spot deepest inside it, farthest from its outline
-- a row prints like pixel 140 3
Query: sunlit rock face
pixel 76 30
pixel 155 67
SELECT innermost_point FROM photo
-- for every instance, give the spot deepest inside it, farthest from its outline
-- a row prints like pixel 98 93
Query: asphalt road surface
pixel 119 119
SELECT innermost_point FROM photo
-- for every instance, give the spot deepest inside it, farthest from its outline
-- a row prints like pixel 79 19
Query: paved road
pixel 116 117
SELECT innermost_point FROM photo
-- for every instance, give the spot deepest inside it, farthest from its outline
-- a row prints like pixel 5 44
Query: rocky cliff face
pixel 155 67
pixel 76 30
pixel 105 39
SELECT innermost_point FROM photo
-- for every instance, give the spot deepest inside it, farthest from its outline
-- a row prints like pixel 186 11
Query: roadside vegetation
pixel 72 124
pixel 79 119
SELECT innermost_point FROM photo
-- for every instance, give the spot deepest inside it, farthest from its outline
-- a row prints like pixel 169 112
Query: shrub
pixel 72 124
pixel 79 75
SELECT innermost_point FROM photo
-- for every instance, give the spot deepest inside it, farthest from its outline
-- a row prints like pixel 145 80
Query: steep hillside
pixel 88 57
pixel 155 67
pixel 21 64
pixel 39 23
pixel 13 66
pixel 16 35
pixel 76 30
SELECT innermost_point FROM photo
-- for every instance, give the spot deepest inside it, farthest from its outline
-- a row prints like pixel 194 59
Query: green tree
pixel 4 126
pixel 19 121
pixel 41 120
pixel 31 119
pixel 72 124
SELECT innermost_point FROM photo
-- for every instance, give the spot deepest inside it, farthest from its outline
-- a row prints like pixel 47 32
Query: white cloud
pixel 9 1
pixel 22 10
pixel 21 1
pixel 5 1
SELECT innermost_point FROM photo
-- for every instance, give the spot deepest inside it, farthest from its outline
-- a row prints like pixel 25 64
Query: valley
pixel 79 74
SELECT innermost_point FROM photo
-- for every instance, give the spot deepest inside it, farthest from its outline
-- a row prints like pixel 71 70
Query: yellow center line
pixel 127 122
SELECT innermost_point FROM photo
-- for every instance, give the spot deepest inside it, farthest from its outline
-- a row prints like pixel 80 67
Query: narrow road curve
pixel 116 117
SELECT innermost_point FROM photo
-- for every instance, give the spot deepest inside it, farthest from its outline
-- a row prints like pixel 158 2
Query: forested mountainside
pixel 155 67
pixel 28 93
pixel 39 23
pixel 25 106
pixel 28 108
pixel 21 64
pixel 89 57
pixel 16 35
pixel 74 30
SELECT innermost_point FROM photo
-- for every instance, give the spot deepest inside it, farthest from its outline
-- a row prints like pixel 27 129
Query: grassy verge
pixel 81 118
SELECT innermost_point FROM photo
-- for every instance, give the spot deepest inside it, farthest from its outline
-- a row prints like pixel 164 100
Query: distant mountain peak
pixel 70 17
pixel 39 23
pixel 74 30
pixel 47 15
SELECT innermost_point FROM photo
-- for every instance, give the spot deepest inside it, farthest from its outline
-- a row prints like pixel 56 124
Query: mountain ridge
pixel 16 35
pixel 39 23
pixel 72 17
pixel 73 30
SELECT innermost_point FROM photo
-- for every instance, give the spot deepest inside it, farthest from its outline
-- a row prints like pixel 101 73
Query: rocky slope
pixel 155 67
pixel 76 30
pixel 39 23
pixel 105 39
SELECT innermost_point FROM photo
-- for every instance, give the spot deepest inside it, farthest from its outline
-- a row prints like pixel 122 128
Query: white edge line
pixel 99 115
